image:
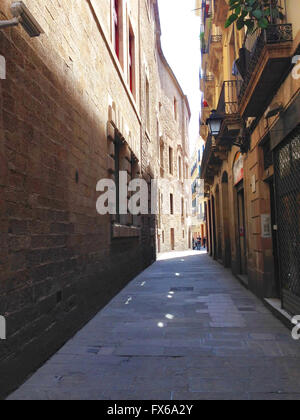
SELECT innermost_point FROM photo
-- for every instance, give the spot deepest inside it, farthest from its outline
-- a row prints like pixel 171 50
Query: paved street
pixel 183 329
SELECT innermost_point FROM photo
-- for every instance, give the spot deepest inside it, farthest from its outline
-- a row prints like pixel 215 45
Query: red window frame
pixel 131 59
pixel 115 26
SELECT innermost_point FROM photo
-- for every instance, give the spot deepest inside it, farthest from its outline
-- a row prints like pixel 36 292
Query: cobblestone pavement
pixel 184 329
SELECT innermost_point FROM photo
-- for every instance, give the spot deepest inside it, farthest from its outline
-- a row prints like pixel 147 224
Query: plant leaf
pixel 250 25
pixel 263 23
pixel 231 19
pixel 240 23
pixel 257 13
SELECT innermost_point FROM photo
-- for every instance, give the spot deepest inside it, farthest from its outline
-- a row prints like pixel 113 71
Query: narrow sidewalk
pixel 185 329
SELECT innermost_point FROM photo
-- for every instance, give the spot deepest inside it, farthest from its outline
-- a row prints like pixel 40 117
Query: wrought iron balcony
pixel 215 39
pixel 210 161
pixel 270 50
pixel 228 101
pixel 206 155
pixel 208 77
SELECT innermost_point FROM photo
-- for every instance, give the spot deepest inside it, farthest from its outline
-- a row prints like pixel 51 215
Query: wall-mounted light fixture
pixel 21 15
pixel 214 123
pixel 241 140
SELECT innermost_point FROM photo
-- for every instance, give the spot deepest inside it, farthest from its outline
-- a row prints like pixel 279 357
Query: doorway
pixel 287 193
pixel 242 229
pixel 158 244
pixel 172 239
pixel 225 214
pixel 276 287
pixel 214 236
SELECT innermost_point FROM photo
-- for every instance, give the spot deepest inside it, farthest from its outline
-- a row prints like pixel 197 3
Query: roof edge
pixel 163 58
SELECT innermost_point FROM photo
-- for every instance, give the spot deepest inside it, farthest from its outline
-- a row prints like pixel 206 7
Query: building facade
pixel 198 220
pixel 173 163
pixel 253 207
pixel 79 104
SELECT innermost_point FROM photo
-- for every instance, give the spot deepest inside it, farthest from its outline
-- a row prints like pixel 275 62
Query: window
pixel 162 156
pixel 116 26
pixel 118 146
pixel 158 136
pixel 148 2
pixel 171 160
pixel 131 60
pixel 182 207
pixel 175 109
pixel 179 168
pixel 171 204
pixel 147 105
pixel 124 161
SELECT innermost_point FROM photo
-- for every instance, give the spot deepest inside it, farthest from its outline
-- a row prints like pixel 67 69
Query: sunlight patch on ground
pixel 179 254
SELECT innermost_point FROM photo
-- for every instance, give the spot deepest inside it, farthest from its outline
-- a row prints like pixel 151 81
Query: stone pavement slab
pixel 184 329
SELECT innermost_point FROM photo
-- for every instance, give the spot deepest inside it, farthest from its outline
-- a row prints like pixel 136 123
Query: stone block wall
pixel 65 98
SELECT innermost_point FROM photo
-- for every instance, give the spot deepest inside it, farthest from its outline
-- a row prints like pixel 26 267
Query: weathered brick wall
pixel 59 263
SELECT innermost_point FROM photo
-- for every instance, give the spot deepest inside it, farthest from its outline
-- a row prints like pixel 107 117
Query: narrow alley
pixel 184 329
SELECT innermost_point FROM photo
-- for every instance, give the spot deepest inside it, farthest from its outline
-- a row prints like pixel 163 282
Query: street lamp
pixel 214 123
pixel 241 139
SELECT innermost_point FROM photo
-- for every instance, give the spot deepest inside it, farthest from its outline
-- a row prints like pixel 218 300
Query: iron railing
pixel 208 77
pixel 206 155
pixel 254 45
pixel 228 101
pixel 215 39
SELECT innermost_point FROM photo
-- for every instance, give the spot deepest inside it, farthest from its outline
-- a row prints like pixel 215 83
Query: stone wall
pixel 65 98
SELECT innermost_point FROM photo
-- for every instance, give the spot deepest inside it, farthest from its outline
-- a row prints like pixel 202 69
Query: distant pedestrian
pixel 199 244
pixel 204 242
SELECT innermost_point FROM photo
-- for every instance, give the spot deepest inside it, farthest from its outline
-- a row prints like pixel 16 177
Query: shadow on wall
pixel 57 266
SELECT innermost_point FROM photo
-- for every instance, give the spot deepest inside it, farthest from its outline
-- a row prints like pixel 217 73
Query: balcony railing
pixel 228 101
pixel 215 39
pixel 208 77
pixel 206 155
pixel 253 47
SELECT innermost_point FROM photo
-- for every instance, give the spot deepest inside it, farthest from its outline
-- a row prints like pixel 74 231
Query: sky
pixel 181 45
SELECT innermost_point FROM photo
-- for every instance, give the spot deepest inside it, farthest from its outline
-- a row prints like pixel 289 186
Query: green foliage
pixel 254 14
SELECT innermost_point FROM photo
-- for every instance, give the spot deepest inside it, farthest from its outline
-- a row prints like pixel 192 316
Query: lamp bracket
pixel 10 23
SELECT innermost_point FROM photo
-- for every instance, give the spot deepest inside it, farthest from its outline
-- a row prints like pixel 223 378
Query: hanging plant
pixel 254 14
